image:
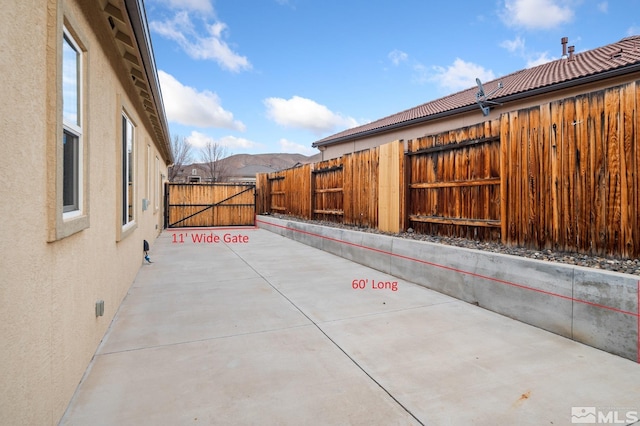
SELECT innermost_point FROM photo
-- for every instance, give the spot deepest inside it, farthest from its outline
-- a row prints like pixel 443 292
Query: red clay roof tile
pixel 614 56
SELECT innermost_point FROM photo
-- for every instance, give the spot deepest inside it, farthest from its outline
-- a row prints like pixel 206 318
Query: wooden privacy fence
pixel 454 183
pixel 203 204
pixel 327 191
pixel 346 190
pixel 285 192
pixel 562 175
pixel 343 190
pixel 570 174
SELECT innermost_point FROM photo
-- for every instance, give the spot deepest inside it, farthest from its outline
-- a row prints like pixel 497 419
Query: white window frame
pixel 147 189
pixel 74 129
pixel 158 185
pixel 128 171
pixel 66 221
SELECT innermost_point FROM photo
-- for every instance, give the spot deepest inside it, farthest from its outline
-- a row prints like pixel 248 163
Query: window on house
pixel 128 169
pixel 158 184
pixel 72 127
pixel 68 181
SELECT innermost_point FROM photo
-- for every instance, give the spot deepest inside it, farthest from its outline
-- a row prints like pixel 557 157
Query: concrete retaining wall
pixel 598 308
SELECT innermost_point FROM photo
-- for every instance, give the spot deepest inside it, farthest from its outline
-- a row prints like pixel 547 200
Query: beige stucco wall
pixel 48 290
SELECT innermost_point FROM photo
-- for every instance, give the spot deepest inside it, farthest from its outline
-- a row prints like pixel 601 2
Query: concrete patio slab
pixel 272 332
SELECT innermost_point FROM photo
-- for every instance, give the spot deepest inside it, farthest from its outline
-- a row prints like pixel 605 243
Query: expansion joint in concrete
pixel 354 361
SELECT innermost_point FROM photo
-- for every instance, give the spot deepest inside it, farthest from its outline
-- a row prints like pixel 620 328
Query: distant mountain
pixel 240 166
pixel 262 163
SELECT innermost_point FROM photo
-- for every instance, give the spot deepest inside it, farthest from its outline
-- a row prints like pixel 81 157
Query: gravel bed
pixel 627 266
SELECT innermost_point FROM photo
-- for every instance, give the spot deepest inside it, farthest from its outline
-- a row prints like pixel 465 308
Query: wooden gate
pixel 205 205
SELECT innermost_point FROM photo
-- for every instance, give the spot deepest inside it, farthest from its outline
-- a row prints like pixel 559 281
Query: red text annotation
pixel 210 238
pixel 374 285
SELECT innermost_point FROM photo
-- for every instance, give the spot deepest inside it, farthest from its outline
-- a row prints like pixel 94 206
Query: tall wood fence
pixel 563 175
pixel 570 174
pixel 340 190
pixel 286 192
pixel 454 183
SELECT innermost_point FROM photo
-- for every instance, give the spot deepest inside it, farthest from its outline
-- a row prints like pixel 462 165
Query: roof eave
pixel 618 72
pixel 137 15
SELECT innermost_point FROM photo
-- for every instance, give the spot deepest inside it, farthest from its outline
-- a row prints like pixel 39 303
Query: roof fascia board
pixel 137 14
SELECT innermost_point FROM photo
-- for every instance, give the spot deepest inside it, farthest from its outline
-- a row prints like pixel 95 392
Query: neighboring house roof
pixel 252 170
pixel 622 57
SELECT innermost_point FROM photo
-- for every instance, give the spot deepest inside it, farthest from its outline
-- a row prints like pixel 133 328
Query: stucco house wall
pixel 52 274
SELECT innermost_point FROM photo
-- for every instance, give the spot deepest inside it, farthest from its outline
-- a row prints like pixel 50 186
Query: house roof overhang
pixel 127 21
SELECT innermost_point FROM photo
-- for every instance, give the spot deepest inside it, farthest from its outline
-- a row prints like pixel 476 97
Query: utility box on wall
pixel 99 308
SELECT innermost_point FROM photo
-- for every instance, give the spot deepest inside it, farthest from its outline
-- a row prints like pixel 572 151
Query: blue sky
pixel 269 76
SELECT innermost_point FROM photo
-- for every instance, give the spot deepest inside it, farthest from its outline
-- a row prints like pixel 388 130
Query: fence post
pixel 390 186
pixel 405 200
pixel 312 192
pixel 166 205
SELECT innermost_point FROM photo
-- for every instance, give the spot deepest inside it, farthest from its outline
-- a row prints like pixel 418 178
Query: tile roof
pixel 591 63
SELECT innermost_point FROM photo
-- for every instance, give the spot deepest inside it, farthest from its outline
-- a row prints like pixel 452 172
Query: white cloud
pixel 420 74
pixel 208 46
pixel 517 47
pixel 200 140
pixel 514 46
pixel 232 142
pixel 306 114
pixel 536 14
pixel 461 75
pixel 396 56
pixel 185 105
pixel 633 31
pixel 603 7
pixel 203 6
pixel 542 58
pixel 292 147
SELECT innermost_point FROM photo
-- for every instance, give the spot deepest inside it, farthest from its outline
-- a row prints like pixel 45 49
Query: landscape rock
pixel 627 266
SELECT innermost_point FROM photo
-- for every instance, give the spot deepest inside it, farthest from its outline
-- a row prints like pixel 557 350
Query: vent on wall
pixel 99 308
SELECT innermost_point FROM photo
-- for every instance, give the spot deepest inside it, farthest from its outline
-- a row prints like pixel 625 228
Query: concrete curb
pixel 598 308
